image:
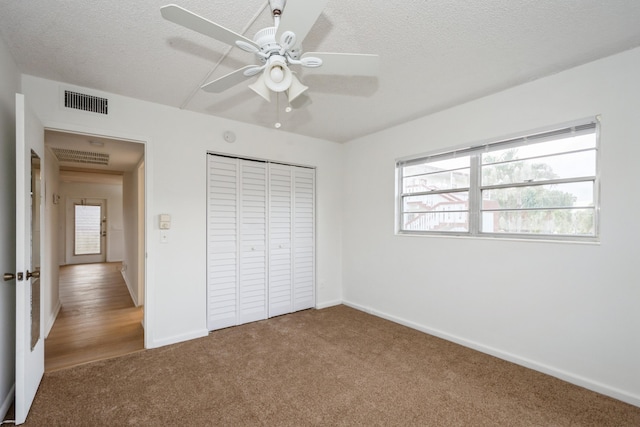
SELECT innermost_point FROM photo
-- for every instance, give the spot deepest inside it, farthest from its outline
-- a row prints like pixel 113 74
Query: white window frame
pixel 475 209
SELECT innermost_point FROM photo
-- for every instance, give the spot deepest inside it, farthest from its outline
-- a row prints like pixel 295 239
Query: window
pixel 543 185
pixel 87 230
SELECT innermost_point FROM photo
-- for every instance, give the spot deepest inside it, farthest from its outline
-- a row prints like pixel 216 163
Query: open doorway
pixel 95 236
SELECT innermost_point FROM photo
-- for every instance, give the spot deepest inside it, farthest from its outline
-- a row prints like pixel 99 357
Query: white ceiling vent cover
pixel 77 156
pixel 84 102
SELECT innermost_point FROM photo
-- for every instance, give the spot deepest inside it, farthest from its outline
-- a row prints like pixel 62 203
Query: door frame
pixel 146 264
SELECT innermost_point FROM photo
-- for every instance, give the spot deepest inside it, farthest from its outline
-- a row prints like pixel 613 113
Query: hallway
pixel 97 320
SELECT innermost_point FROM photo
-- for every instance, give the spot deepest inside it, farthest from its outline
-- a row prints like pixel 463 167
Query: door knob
pixel 35 274
pixel 8 276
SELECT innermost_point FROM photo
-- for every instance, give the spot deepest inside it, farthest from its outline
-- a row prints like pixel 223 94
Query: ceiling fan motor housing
pixel 266 39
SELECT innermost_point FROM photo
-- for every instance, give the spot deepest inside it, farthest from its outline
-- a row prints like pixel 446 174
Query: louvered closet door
pixel 280 240
pixel 253 241
pixel 260 243
pixel 303 238
pixel 222 242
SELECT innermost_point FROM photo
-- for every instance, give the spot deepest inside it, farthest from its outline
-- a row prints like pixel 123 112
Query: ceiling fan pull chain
pixel 278 124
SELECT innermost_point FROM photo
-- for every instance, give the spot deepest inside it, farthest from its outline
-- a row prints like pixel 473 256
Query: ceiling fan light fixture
pixel 277 76
pixel 261 88
pixel 277 48
pixel 295 89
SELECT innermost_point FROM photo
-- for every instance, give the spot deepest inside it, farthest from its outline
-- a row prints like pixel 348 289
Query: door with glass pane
pixel 87 233
pixel 29 348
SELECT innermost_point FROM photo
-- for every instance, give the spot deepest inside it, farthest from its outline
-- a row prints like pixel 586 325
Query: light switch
pixel 165 221
pixel 164 236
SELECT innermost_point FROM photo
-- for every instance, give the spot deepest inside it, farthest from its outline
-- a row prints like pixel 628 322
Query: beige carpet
pixel 332 367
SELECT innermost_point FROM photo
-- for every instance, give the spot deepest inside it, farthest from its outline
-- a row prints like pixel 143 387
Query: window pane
pixel 436 221
pixel 431 166
pixel 436 181
pixel 537 184
pixel 575 194
pixel 574 222
pixel 87 230
pixel 556 146
pixel 562 166
pixel 458 201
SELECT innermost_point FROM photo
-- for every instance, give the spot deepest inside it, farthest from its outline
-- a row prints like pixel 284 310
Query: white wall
pixel 9 85
pixel 52 257
pixel 176 145
pixel 111 191
pixel 130 208
pixel 571 310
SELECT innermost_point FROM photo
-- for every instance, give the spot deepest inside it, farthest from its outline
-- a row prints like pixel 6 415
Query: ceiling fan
pixel 276 48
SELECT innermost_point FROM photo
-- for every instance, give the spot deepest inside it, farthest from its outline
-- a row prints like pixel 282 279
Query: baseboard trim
pixel 155 343
pixel 328 304
pixel 52 318
pixel 518 360
pixel 134 297
pixel 7 402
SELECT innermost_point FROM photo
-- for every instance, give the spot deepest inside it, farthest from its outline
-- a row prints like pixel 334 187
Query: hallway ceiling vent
pixel 84 102
pixel 77 156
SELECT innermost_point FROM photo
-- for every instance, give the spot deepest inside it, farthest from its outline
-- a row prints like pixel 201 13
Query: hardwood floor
pixel 98 319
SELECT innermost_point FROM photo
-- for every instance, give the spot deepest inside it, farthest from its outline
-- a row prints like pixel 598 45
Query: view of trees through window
pixel 544 187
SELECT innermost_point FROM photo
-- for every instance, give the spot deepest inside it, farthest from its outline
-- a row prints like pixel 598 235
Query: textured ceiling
pixel 434 54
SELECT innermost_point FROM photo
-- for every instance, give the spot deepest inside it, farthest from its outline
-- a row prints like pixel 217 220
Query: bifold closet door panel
pixel 280 240
pixel 222 242
pixel 303 238
pixel 260 240
pixel 253 241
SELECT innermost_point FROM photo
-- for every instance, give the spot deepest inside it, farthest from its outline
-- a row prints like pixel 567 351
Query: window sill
pixel 591 241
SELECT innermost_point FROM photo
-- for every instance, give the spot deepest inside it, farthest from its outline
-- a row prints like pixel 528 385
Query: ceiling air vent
pixel 84 102
pixel 77 156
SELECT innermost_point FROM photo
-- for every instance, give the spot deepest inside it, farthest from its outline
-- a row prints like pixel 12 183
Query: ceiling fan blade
pixel 183 17
pixel 350 64
pixel 301 101
pixel 299 16
pixel 227 81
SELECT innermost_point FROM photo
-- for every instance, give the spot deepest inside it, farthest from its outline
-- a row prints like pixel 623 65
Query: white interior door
pixel 303 238
pixel 222 242
pixel 29 221
pixel 280 240
pixel 252 295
